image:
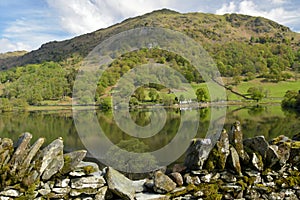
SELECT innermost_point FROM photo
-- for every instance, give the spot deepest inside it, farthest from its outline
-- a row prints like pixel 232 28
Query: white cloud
pixel 78 16
pixel 7 45
pixel 247 7
pixel 278 1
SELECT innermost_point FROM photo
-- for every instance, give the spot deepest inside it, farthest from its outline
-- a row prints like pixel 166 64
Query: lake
pixel 269 121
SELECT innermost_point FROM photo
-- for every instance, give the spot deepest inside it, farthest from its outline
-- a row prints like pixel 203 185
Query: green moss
pixel 214 197
pixel 89 170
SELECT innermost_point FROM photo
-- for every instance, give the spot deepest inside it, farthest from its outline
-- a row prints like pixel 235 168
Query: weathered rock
pixel 32 152
pixel 228 177
pixel 20 152
pixel 10 193
pixel 6 148
pixel 283 153
pixel 223 149
pixel 149 196
pixel 236 139
pixel 197 153
pixel 51 159
pixel 191 180
pixel 272 157
pixel 257 162
pixel 87 182
pixel 139 185
pixel 86 168
pixel 71 160
pixel 257 144
pixel 163 183
pixel 234 161
pixel 65 190
pixel 31 178
pixel 119 184
pixel 86 191
pixel 177 178
pixel 218 155
pixel 64 182
pixel 102 194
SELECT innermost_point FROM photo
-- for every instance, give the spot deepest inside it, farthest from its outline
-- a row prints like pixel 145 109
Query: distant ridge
pixel 208 29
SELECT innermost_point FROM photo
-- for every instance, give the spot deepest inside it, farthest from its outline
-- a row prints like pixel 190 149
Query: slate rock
pixel 197 153
pixel 163 183
pixel 51 159
pixel 236 140
pixel 177 178
pixel 235 161
pixel 119 184
pixel 71 160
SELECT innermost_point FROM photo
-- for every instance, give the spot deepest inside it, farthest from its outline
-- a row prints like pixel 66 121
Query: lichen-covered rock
pixel 218 155
pixel 177 178
pixel 10 193
pixel 149 196
pixel 234 161
pixel 23 168
pixel 119 184
pixel 6 148
pixel 163 183
pixel 236 140
pixel 197 153
pixel 20 152
pixel 71 160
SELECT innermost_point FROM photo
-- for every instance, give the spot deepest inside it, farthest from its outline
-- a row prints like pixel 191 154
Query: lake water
pixel 269 121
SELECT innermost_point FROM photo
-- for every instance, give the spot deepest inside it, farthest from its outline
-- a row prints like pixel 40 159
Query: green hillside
pixel 246 49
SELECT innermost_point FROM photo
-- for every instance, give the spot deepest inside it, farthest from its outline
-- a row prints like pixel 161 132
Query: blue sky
pixel 27 24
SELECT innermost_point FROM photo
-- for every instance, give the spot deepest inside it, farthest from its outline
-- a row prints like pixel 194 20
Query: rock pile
pixel 235 168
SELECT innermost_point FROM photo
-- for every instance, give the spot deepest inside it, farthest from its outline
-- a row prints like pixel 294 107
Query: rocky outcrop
pixel 237 168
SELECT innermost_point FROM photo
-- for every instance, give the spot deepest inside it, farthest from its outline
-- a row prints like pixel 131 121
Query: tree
pixel 256 93
pixel 153 94
pixel 140 94
pixel 201 95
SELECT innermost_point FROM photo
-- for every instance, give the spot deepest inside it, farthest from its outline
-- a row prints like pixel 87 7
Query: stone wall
pixel 235 168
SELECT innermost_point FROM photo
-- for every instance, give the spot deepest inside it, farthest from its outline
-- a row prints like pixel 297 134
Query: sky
pixel 27 24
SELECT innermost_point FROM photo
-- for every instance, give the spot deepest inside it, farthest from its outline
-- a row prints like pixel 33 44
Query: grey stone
pixel 119 184
pixel 20 152
pixel 62 182
pixel 223 149
pixel 101 193
pixel 207 178
pixel 257 144
pixel 139 185
pixel 87 182
pixel 6 147
pixel 84 168
pixel 272 157
pixel 51 159
pixel 228 177
pixel 149 196
pixel 236 139
pixel 32 152
pixel 5 198
pixel 194 180
pixel 71 160
pixel 257 163
pixel 163 183
pixel 65 190
pixel 197 153
pixel 177 178
pixel 10 193
pixel 86 191
pixel 235 161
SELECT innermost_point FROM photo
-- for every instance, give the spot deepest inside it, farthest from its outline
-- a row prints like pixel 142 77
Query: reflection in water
pixel 269 121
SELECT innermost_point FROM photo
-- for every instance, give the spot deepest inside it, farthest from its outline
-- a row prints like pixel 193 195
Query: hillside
pixel 245 49
pixel 208 29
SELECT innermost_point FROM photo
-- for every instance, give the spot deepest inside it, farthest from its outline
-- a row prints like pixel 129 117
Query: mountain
pixel 208 29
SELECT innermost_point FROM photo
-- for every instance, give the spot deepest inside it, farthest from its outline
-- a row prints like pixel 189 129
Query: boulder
pixel 197 153
pixel 119 184
pixel 257 144
pixel 163 183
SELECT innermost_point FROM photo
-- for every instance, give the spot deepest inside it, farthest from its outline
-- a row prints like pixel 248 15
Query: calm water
pixel 269 121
